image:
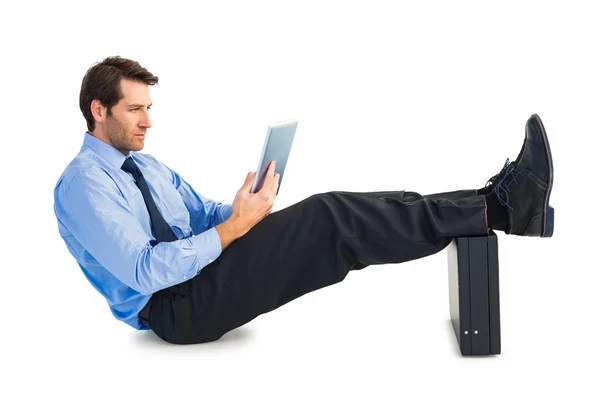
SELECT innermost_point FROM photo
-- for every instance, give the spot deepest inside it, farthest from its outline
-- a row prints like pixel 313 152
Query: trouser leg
pixel 310 245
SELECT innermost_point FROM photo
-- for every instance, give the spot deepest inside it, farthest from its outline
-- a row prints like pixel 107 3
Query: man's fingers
pixel 274 181
pixel 270 174
pixel 271 180
pixel 248 182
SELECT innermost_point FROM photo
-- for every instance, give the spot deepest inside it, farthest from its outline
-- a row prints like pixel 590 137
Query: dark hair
pixel 103 82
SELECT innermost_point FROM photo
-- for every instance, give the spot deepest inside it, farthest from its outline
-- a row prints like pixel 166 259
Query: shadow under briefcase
pixel 474 293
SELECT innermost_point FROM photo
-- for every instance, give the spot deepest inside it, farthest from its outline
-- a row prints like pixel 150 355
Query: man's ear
pixel 98 110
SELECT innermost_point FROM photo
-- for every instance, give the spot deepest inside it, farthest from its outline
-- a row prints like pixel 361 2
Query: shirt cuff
pixel 207 246
pixel 226 212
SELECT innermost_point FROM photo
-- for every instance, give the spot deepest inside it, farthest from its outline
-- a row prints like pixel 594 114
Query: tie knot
pixel 130 166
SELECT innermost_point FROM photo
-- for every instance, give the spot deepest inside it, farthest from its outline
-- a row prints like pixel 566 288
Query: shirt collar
pixel 113 156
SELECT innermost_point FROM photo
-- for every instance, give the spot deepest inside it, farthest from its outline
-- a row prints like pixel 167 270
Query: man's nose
pixel 146 122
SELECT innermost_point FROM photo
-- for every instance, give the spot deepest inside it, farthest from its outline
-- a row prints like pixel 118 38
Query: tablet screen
pixel 277 146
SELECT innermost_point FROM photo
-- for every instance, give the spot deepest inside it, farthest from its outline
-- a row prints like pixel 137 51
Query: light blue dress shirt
pixel 105 224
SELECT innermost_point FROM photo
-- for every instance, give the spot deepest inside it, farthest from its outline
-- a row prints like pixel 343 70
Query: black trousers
pixel 307 246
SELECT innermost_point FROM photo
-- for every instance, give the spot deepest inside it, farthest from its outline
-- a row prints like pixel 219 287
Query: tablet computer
pixel 277 146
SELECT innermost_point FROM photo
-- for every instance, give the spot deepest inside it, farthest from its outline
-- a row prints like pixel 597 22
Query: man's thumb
pixel 249 179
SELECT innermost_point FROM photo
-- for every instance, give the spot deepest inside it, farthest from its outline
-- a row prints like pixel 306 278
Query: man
pixel 191 269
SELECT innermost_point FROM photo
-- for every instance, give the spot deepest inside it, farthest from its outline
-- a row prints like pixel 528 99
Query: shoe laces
pixel 492 181
pixel 502 189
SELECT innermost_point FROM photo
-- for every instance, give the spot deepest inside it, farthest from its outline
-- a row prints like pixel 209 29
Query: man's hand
pixel 248 208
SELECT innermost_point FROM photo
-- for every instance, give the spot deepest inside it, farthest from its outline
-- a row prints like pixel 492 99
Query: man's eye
pixel 133 109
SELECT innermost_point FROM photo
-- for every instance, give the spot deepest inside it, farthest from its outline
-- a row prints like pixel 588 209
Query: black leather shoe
pixel 526 185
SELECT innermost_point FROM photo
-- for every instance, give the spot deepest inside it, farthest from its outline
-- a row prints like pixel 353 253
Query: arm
pixel 228 232
pixel 204 212
pixel 91 207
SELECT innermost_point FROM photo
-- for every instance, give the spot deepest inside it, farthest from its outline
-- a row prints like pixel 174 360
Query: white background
pixel 423 96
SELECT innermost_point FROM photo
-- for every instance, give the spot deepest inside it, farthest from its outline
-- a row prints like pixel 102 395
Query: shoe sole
pixel 548 214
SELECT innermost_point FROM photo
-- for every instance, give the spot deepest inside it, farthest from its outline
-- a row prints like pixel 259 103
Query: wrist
pixel 234 227
pixel 228 231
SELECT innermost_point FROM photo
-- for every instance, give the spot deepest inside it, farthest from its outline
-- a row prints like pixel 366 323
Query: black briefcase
pixel 474 293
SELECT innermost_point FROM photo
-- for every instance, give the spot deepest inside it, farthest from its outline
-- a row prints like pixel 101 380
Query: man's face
pixel 125 129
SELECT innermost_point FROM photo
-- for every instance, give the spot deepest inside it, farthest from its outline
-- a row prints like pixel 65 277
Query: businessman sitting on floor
pixel 167 258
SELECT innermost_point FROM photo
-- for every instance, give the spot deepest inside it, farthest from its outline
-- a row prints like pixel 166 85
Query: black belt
pixel 144 315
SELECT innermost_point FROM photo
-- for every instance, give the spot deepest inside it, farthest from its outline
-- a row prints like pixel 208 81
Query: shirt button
pixel 185 277
pixel 210 260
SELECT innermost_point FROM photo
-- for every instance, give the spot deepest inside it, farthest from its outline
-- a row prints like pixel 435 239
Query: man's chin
pixel 136 146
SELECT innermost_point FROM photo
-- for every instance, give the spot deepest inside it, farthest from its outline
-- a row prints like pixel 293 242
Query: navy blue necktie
pixel 161 229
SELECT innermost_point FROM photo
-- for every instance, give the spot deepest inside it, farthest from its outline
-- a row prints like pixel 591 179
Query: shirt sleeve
pixel 100 219
pixel 204 212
